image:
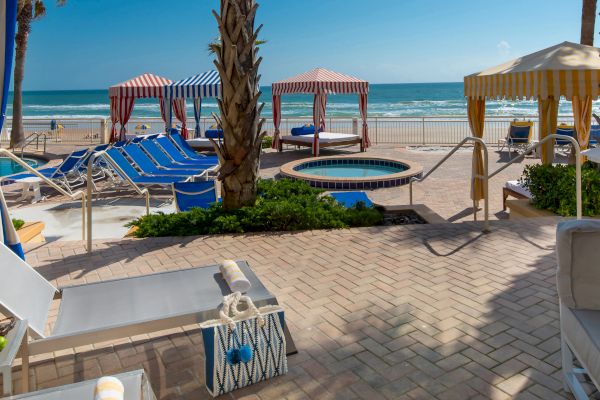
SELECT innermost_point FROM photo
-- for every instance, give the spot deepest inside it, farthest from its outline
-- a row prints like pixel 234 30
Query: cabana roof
pixel 321 81
pixel 204 85
pixel 566 69
pixel 144 86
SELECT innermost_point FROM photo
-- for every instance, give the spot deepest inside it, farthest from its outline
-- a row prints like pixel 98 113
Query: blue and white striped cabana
pixel 197 87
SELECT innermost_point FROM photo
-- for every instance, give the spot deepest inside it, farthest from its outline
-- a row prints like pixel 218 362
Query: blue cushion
pixel 213 133
pixel 595 132
pixel 565 132
pixel 303 130
pixel 349 199
pixel 194 194
pixel 519 134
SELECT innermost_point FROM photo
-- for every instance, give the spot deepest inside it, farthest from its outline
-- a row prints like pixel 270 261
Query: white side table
pixel 31 189
pixel 17 342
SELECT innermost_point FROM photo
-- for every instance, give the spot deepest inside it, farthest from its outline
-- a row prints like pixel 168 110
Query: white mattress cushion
pixel 581 329
pixel 517 187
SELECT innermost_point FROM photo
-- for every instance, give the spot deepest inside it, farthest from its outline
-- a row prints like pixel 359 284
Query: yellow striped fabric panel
pixel 564 88
pixel 587 82
pixel 109 388
pixel 575 83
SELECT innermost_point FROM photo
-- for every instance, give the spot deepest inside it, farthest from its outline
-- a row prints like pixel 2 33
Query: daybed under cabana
pixel 123 95
pixel 568 69
pixel 197 87
pixel 321 82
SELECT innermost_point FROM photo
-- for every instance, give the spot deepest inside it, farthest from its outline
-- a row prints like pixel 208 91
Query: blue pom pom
pixel 233 356
pixel 245 353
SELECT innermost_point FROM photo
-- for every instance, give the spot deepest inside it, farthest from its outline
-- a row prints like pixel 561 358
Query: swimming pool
pixel 9 167
pixel 356 172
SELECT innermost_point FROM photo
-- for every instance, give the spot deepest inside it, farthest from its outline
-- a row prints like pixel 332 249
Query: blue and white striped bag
pixel 243 347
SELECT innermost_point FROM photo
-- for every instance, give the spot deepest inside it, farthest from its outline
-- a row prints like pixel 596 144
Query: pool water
pixel 351 171
pixel 9 167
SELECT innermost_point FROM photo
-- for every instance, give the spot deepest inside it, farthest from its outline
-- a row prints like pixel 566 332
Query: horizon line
pixel 75 90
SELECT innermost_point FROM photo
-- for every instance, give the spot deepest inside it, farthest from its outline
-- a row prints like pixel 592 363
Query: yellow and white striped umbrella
pixel 567 69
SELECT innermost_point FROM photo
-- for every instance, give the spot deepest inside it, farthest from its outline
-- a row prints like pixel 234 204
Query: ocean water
pixel 386 100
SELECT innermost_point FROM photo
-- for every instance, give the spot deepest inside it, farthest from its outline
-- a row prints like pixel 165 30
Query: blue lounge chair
pixel 119 144
pixel 569 130
pixel 566 130
pixel 145 164
pixel 169 148
pixel 350 199
pixel 594 134
pixel 99 167
pixel 519 135
pixel 135 176
pixel 66 174
pixel 84 161
pixel 160 157
pixel 187 150
pixel 194 194
pixel 138 139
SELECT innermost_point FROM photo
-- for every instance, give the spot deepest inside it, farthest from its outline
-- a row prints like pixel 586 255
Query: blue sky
pixel 91 44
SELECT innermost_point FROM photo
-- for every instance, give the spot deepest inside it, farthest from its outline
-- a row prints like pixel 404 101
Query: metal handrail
pixel 34 136
pixel 90 187
pixel 50 183
pixel 484 178
pixel 530 148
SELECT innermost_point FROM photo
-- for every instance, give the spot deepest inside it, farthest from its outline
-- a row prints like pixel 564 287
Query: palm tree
pixel 237 63
pixel 27 11
pixel 588 19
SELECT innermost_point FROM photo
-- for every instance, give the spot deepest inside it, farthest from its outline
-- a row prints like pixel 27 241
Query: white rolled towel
pixel 109 388
pixel 234 276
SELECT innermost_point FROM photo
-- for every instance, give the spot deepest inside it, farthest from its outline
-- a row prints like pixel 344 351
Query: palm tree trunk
pixel 24 17
pixel 239 153
pixel 588 19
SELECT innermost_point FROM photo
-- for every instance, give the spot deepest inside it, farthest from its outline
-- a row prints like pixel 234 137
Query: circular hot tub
pixel 352 172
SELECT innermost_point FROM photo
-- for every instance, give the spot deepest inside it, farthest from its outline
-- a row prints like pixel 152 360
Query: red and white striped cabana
pixel 321 83
pixel 123 95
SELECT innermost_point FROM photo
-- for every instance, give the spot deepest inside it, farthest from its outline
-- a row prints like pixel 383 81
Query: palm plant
pixel 27 11
pixel 237 63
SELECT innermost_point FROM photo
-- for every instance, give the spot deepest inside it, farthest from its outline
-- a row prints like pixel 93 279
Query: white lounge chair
pixel 516 190
pixel 114 309
pixel 136 384
pixel 578 280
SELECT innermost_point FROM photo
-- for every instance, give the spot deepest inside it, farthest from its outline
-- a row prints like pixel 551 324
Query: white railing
pixel 484 178
pixel 68 193
pixel 415 131
pixel 68 130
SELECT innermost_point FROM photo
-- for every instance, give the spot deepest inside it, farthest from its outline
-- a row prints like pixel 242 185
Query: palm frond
pixel 39 9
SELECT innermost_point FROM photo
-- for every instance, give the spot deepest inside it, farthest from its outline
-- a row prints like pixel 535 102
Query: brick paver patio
pixel 446 191
pixel 439 311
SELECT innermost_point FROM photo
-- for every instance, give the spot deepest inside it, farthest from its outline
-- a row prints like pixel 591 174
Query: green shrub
pixel 18 223
pixel 267 142
pixel 282 205
pixel 553 188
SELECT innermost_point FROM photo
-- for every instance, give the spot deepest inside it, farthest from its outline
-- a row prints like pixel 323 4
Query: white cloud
pixel 503 48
